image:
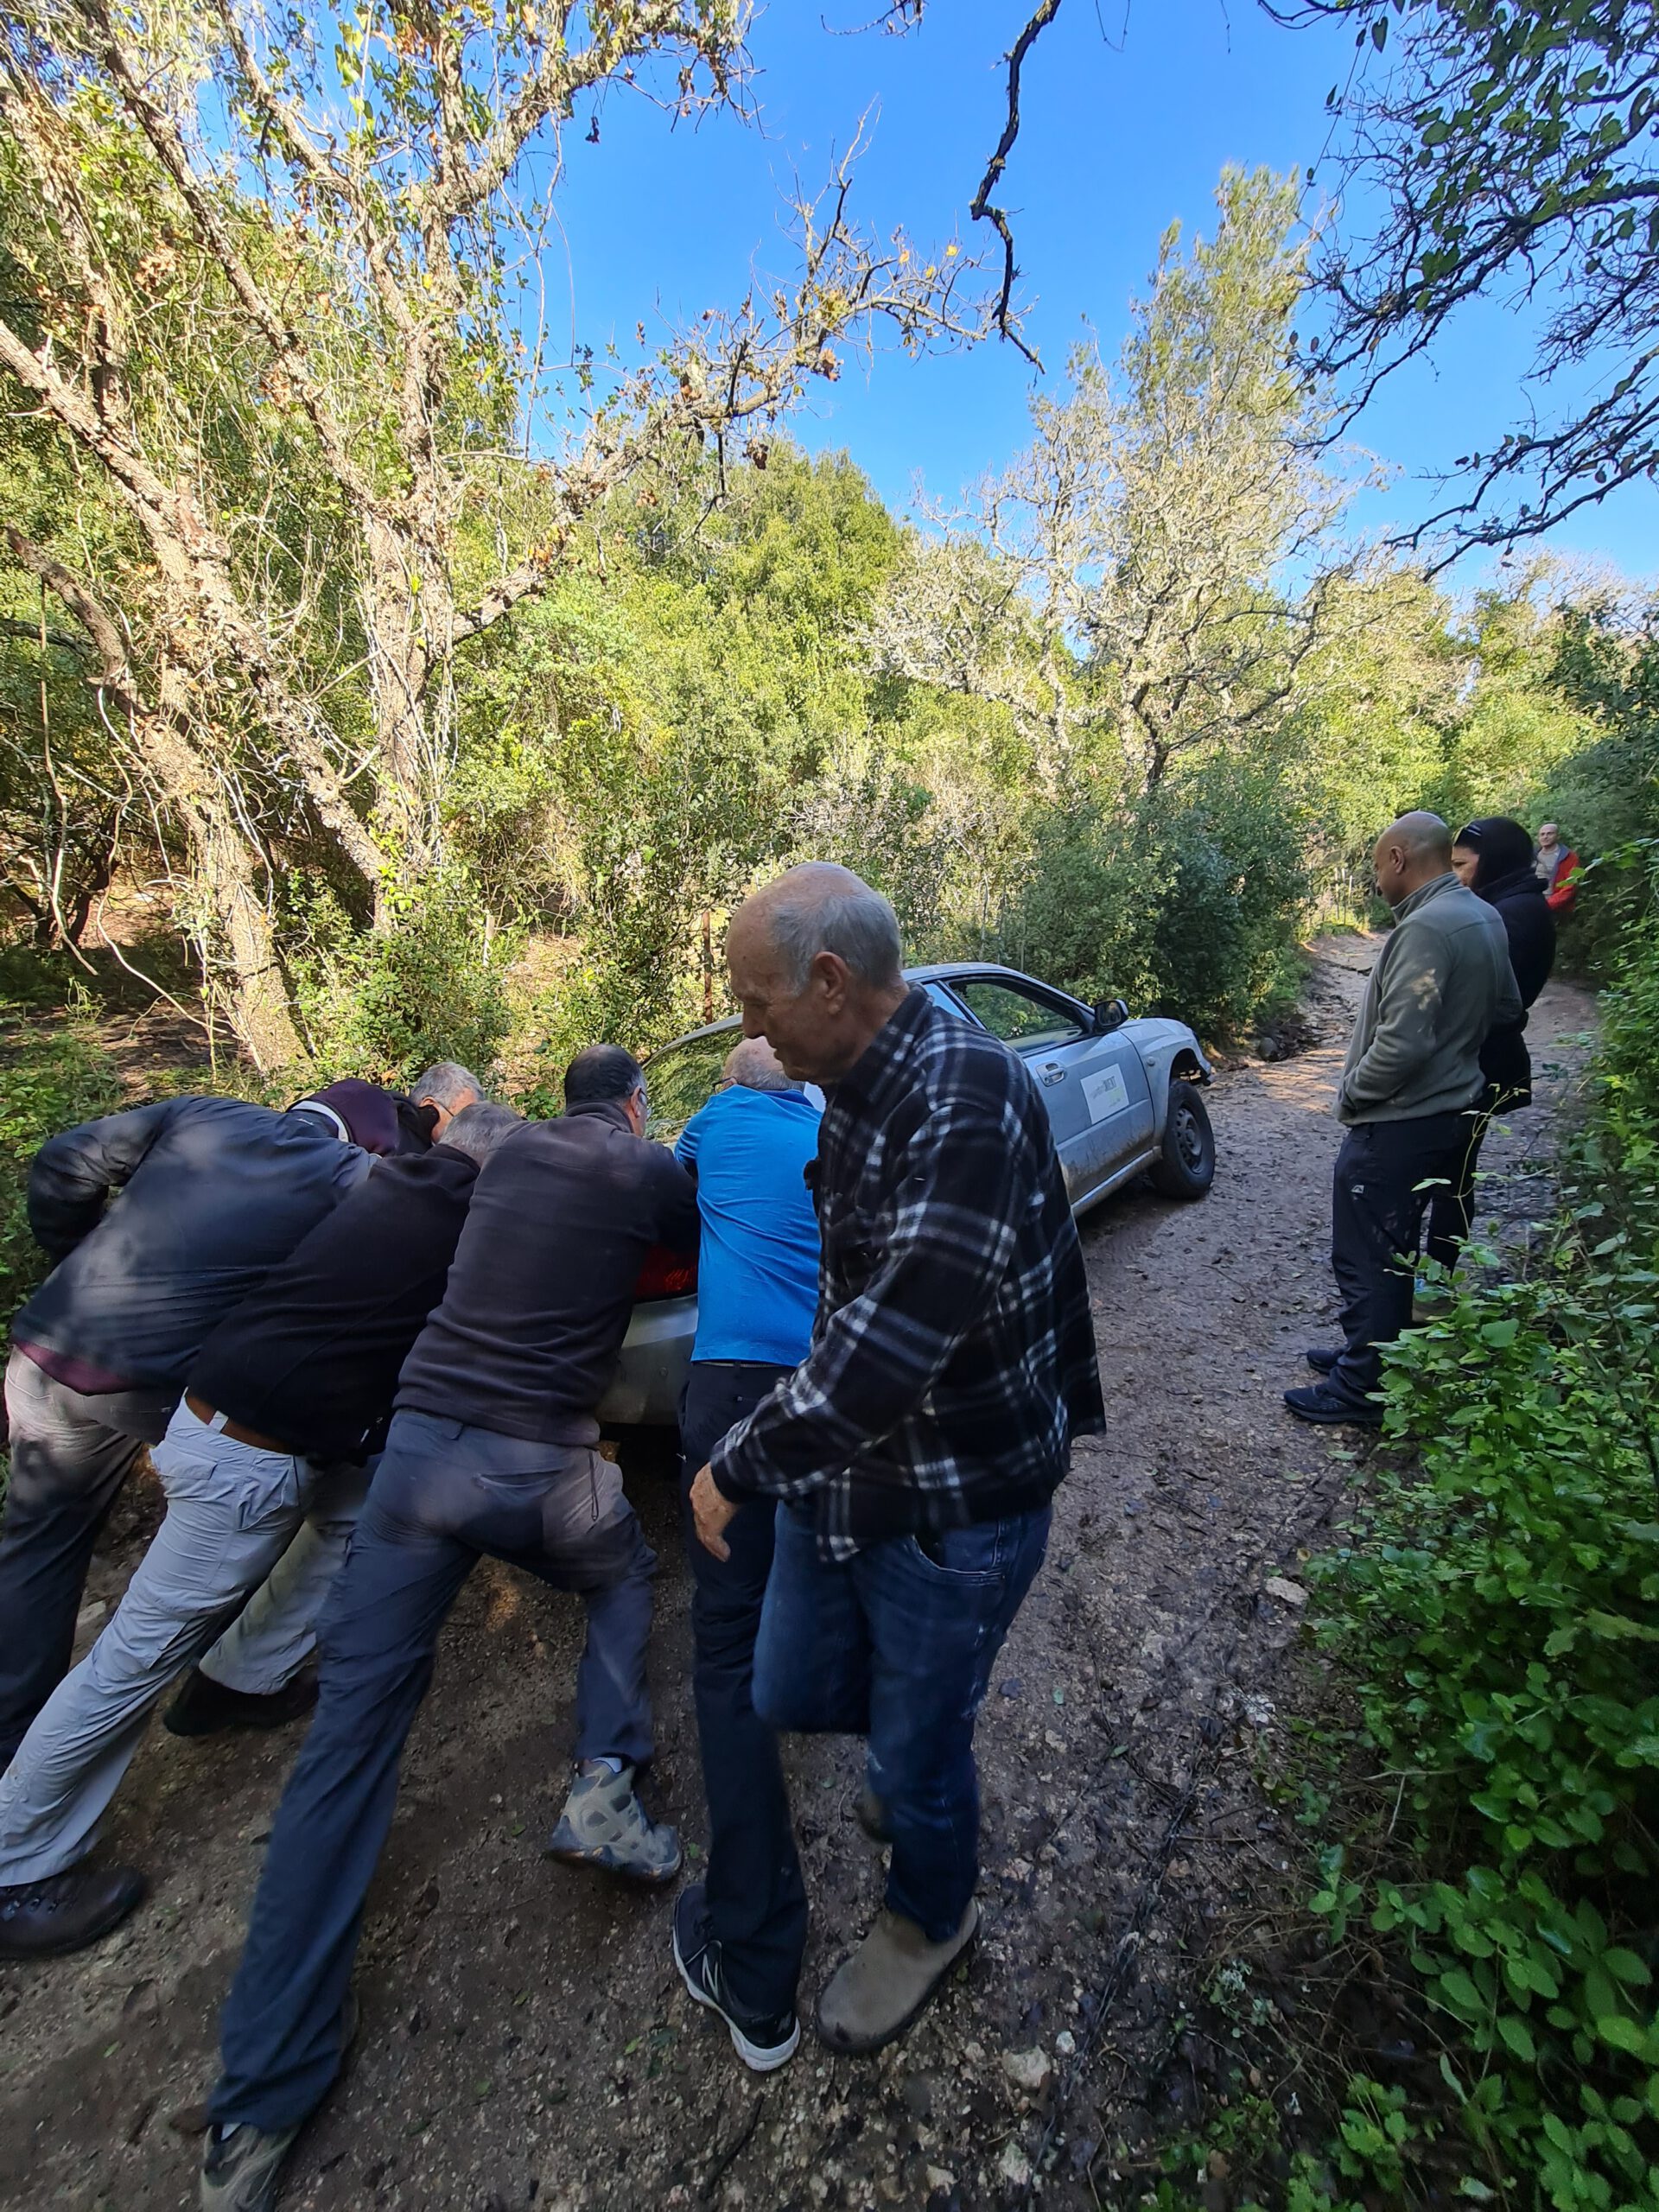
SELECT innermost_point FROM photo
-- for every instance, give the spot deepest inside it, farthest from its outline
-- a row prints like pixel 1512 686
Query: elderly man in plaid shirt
pixel 915 1451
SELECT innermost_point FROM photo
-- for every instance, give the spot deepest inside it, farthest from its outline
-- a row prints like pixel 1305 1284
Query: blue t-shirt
pixel 758 1269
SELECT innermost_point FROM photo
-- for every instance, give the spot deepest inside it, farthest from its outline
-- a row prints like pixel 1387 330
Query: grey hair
pixel 449 1086
pixel 752 1065
pixel 477 1130
pixel 819 908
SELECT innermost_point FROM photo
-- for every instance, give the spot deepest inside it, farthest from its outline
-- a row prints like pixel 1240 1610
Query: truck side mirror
pixel 1109 1015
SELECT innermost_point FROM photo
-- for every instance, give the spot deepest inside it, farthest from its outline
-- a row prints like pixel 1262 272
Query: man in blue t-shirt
pixel 740 1935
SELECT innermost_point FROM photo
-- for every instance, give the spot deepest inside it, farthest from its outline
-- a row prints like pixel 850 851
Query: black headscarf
pixel 1503 849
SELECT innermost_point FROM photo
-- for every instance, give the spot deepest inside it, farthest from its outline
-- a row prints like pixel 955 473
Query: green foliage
pixel 1606 797
pixel 1182 901
pixel 1368 2159
pixel 50 1078
pixel 386 1005
pixel 1370 740
pixel 1499 1612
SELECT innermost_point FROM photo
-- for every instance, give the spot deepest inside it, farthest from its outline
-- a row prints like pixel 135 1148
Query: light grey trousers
pixel 235 1515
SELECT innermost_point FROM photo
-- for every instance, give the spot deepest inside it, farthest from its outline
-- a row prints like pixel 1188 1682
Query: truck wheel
pixel 1187 1166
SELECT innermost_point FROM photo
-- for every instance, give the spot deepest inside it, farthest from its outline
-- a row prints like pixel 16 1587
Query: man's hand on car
pixel 711 1511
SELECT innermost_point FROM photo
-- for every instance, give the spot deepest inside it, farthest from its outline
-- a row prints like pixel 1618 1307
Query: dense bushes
pixel 1185 902
pixel 431 988
pixel 1498 1610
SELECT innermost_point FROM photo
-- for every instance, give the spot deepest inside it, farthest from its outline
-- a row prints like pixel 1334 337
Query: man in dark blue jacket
pixel 283 1407
pixel 159 1220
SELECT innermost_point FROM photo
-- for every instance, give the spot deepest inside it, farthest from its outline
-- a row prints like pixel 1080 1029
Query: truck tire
pixel 1187 1166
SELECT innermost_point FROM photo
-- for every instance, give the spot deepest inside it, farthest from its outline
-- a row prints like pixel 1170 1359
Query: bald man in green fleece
pixel 1410 1083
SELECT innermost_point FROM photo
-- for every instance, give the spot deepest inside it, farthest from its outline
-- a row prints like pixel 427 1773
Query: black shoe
pixel 203 1707
pixel 66 1912
pixel 1331 1409
pixel 1323 1357
pixel 763 2045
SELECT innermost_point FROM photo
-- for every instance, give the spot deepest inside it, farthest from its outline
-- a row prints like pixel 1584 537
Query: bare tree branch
pixel 982 210
pixel 13 625
pixel 1510 150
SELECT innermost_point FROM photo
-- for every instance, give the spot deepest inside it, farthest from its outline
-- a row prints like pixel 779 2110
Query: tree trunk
pixel 239 944
pixel 236 929
pixel 257 989
pixel 405 602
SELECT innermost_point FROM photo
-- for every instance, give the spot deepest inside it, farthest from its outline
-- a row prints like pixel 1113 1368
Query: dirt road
pixel 524 2038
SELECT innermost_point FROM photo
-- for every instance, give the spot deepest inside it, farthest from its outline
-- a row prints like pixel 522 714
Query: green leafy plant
pixel 50 1081
pixel 1498 1609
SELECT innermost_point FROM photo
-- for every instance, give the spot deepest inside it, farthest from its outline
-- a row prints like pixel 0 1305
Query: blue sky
pixel 1127 125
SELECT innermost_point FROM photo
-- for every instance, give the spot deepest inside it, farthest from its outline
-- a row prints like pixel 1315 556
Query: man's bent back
pixel 490 1451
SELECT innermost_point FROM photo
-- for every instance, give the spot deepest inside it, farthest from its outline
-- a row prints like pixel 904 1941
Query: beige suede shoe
pixel 873 1996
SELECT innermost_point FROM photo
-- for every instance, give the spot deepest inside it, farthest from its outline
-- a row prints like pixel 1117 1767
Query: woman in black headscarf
pixel 1494 857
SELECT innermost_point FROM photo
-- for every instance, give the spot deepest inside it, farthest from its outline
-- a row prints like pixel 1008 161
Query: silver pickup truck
pixel 1123 1095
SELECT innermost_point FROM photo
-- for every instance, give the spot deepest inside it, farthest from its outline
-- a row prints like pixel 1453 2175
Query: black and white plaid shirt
pixel 953 1356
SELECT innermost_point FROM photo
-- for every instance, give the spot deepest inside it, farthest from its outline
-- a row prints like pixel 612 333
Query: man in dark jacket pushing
pixel 281 1409
pixel 491 1451
pixel 158 1220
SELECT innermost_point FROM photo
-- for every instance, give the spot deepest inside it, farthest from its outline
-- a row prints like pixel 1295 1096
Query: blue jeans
pixel 443 1494
pixel 898 1645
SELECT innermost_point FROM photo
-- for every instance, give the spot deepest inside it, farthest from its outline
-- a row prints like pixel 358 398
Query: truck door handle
pixel 1053 1072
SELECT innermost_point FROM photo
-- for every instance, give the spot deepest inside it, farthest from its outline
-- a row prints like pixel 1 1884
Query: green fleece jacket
pixel 1441 981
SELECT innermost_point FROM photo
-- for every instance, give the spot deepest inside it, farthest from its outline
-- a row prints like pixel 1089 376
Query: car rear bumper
pixel 645 1391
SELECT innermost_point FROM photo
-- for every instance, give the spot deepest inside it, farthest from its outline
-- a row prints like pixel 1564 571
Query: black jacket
pixel 313 1357
pixel 1519 900
pixel 540 1294
pixel 161 1219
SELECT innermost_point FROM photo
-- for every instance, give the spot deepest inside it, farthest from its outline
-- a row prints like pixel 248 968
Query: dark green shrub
pixel 1185 902
pixel 430 988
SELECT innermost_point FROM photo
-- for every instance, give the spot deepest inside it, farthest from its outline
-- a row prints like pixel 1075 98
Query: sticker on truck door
pixel 1106 1093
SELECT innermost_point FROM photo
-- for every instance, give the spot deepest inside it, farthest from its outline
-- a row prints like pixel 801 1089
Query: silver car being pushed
pixel 1123 1095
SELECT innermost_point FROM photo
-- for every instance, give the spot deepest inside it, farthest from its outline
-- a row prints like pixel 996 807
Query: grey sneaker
pixel 604 1824
pixel 242 2166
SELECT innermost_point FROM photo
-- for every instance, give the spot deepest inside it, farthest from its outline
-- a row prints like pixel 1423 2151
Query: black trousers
pixel 1387 1173
pixel 1450 1212
pixel 756 1898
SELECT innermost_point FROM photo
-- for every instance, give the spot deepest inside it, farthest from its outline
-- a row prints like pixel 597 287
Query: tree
pixel 262 274
pixel 1512 142
pixel 1145 582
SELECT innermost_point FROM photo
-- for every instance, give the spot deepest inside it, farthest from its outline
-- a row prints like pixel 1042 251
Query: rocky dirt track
pixel 525 2040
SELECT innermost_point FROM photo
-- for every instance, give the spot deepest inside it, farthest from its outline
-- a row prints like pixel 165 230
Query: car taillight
pixel 666 1274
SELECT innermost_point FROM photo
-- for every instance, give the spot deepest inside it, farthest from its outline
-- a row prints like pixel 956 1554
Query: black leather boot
pixel 66 1912
pixel 204 1707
